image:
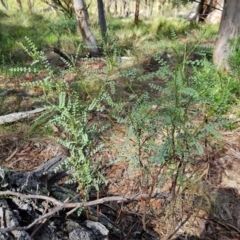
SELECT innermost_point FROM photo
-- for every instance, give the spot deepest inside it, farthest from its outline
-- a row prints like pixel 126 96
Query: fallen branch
pixel 60 206
pixel 13 117
pixel 15 92
pixel 65 205
pixel 63 55
pixel 9 229
pixel 225 224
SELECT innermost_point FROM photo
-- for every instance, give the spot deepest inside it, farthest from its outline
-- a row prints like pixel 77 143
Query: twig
pixel 29 196
pixel 174 184
pixel 98 206
pixel 181 224
pixel 226 225
pixel 42 222
pixel 9 229
pixel 12 155
pixel 64 205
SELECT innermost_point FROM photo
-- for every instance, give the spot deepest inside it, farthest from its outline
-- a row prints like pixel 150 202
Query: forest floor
pixel 219 173
pixel 221 177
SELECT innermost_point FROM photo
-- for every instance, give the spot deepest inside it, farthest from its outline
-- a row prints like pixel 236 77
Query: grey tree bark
pixel 136 18
pixel 82 19
pixel 229 29
pixel 102 19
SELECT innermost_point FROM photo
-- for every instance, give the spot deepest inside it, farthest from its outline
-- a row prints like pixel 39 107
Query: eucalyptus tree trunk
pixel 136 19
pixel 115 7
pixel 109 3
pixel 4 4
pixel 123 8
pixel 159 7
pixel 151 7
pixel 146 6
pixel 82 19
pixel 20 8
pixel 228 31
pixel 128 7
pixel 102 19
pixel 30 5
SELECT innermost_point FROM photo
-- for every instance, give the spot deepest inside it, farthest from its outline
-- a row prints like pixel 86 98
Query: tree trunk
pixel 102 20
pixel 81 14
pixel 136 19
pixel 151 7
pixel 109 3
pixel 115 8
pixel 4 4
pixel 30 5
pixel 20 8
pixel 124 7
pixel 159 8
pixel 128 7
pixel 146 7
pixel 228 30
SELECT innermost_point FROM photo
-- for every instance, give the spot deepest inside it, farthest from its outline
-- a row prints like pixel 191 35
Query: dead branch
pixel 13 117
pixel 225 224
pixel 15 92
pixel 65 205
pixel 9 229
pixel 63 55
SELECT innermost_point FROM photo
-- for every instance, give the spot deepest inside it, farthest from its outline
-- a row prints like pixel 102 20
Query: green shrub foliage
pixel 168 123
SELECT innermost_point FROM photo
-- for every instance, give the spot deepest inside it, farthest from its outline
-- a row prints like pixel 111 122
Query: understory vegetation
pixel 153 98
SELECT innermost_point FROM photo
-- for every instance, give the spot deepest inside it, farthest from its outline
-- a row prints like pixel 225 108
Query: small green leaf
pixel 213 131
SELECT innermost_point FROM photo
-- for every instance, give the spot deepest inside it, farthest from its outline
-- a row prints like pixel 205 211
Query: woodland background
pixel 119 120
